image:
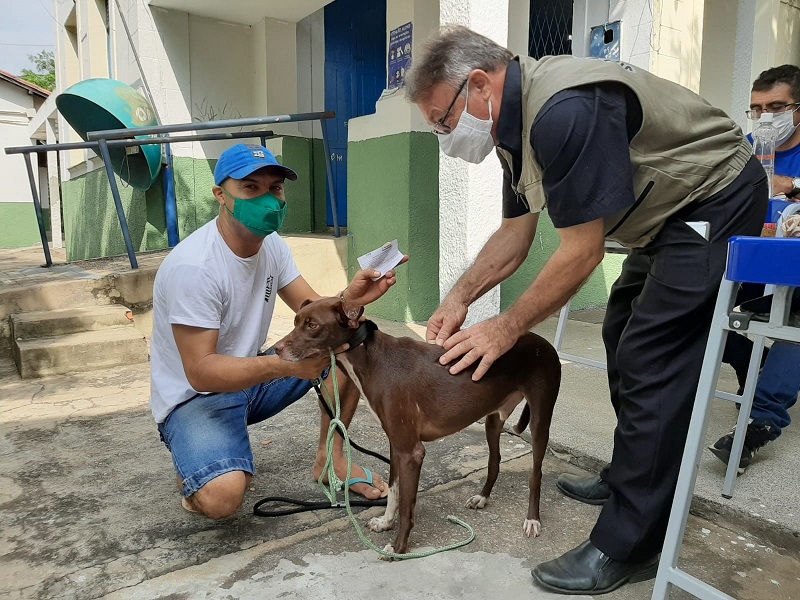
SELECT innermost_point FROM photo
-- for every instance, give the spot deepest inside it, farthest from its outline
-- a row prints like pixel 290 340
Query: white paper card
pixel 383 259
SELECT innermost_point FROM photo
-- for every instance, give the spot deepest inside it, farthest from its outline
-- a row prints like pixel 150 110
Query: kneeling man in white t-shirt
pixel 213 301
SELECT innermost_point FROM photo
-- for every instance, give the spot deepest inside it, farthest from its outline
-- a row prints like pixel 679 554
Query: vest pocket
pixel 635 205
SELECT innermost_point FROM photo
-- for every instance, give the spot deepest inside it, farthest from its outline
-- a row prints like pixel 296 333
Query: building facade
pixel 205 60
pixel 19 103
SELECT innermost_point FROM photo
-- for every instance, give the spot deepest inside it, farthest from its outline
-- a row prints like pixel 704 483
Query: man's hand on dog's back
pixel 446 321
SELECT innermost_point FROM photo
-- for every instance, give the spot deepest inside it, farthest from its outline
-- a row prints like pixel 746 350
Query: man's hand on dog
pixel 362 290
pixel 484 342
pixel 446 321
pixel 312 368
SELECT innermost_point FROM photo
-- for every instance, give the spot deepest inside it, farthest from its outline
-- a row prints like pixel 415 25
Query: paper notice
pixel 384 259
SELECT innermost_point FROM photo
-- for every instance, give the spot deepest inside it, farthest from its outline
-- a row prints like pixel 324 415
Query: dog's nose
pixel 279 347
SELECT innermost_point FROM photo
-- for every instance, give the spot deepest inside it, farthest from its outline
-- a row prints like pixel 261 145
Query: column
pixel 470 196
pixel 53 187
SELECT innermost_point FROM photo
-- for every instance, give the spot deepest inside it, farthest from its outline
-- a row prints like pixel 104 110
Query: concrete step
pixel 49 323
pixel 83 351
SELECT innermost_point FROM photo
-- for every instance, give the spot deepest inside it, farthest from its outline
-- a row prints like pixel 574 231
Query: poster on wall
pixel 399 55
pixel 604 41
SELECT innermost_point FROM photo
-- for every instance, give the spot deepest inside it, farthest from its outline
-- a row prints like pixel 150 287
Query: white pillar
pixel 470 196
pixel 53 187
pixel 756 50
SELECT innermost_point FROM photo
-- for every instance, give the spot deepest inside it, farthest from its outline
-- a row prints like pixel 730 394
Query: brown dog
pixel 417 400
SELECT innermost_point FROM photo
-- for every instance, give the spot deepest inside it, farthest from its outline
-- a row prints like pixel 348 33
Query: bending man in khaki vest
pixel 612 152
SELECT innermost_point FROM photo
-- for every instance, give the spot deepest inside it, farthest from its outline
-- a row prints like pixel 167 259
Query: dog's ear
pixel 349 314
pixel 306 302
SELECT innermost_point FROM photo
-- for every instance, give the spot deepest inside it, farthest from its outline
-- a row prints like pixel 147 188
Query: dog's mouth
pixel 293 355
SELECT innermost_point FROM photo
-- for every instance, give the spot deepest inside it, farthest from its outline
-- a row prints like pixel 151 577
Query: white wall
pixel 636 31
pixel 311 70
pixel 788 26
pixel 719 45
pixel 16 109
pixel 470 196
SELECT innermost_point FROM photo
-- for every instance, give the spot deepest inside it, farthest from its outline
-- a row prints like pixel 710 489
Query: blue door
pixel 355 76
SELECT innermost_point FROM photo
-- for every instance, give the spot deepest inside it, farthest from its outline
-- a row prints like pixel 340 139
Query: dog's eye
pixel 311 325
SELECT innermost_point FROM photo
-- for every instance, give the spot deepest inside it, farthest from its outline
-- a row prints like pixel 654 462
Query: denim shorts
pixel 207 435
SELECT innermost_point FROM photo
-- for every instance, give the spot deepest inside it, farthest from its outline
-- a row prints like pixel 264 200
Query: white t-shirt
pixel 202 283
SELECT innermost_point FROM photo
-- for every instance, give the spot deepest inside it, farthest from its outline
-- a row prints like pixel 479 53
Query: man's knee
pixel 222 496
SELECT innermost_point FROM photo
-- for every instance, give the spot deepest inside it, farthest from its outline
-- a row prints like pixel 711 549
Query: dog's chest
pixel 351 373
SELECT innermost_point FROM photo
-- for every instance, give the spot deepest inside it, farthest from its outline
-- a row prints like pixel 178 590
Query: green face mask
pixel 262 215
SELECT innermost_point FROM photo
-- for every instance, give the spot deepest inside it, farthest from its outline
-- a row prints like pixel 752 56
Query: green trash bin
pixel 100 104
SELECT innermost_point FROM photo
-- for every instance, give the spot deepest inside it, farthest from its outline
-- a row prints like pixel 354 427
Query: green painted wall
pixel 320 207
pixel 402 203
pixel 18 227
pixel 91 226
pixel 298 155
pixel 594 293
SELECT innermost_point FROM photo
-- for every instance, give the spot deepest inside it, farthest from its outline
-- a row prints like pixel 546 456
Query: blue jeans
pixel 207 435
pixel 778 386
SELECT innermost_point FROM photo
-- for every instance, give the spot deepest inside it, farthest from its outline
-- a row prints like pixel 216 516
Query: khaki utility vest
pixel 685 151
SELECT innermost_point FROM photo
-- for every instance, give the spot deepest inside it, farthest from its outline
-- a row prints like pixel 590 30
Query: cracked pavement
pixel 89 509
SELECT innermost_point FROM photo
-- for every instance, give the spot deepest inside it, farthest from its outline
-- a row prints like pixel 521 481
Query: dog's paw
pixel 476 502
pixel 531 527
pixel 378 524
pixel 387 548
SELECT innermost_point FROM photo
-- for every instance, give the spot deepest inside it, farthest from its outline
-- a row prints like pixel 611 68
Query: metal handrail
pixel 101 141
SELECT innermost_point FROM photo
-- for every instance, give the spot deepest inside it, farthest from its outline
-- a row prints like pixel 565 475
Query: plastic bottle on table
pixel 764 146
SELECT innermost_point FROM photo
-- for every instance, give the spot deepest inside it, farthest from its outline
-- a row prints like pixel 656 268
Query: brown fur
pixel 417 400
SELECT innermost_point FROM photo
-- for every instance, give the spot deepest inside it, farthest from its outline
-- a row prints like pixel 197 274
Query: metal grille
pixel 550 30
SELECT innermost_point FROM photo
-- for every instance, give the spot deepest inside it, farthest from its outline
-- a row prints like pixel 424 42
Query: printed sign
pixel 604 41
pixel 399 55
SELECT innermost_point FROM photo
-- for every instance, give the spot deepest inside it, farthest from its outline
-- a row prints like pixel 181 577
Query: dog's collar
pixel 362 334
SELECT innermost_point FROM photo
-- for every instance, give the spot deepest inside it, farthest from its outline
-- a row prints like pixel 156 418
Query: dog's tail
pixel 524 419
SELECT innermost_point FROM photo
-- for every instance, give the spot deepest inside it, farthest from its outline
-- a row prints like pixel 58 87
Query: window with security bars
pixel 550 30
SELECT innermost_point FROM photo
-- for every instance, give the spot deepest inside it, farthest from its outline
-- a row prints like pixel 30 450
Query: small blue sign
pixel 604 41
pixel 399 55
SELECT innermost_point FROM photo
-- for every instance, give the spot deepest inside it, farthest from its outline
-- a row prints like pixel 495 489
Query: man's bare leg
pixel 222 496
pixel 348 399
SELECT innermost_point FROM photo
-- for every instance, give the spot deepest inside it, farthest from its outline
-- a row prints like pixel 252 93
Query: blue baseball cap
pixel 241 160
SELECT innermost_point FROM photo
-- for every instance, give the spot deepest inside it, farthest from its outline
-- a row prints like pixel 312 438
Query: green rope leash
pixel 334 483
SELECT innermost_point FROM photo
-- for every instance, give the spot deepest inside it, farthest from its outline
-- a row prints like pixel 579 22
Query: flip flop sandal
pixel 368 479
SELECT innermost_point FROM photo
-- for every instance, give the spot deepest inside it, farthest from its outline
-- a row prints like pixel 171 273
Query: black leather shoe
pixel 589 489
pixel 586 570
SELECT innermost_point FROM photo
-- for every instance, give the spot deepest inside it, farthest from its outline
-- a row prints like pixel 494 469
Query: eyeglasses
pixel 755 113
pixel 439 127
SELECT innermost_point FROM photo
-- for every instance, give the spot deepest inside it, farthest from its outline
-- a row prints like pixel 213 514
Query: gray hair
pixel 451 56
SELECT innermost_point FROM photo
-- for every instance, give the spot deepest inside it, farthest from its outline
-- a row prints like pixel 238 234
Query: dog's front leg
pixel 386 522
pixel 410 465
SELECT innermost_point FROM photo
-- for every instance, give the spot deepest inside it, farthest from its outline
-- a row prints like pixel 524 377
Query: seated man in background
pixel 776 90
pixel 213 302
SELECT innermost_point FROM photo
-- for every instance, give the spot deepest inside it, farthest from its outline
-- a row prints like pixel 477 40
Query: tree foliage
pixel 45 74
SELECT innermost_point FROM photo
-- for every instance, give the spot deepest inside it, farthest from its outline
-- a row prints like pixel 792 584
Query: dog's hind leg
pixel 542 400
pixel 494 426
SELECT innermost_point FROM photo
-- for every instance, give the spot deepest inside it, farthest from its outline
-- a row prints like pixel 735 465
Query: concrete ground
pixel 89 507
